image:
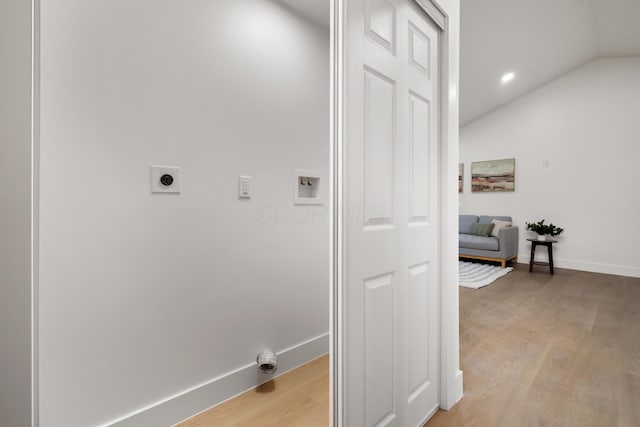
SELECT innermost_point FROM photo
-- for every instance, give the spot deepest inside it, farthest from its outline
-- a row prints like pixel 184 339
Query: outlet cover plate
pixel 157 172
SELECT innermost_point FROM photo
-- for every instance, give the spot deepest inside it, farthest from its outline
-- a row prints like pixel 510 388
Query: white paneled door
pixel 390 215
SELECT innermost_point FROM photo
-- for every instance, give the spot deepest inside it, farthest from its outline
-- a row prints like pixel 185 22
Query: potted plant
pixel 544 230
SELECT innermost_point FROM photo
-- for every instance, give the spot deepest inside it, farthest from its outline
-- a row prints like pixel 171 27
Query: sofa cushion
pixel 482 229
pixel 465 222
pixel 486 219
pixel 498 225
pixel 470 241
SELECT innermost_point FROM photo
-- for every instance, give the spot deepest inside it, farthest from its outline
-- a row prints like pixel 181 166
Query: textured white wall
pixel 587 125
pixel 15 213
pixel 144 296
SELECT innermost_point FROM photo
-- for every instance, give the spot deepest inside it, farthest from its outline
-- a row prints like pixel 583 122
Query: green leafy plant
pixel 541 228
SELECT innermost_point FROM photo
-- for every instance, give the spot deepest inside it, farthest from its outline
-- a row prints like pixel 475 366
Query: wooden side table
pixel 549 244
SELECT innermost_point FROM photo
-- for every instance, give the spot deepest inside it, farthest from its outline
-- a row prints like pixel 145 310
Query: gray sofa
pixel 501 249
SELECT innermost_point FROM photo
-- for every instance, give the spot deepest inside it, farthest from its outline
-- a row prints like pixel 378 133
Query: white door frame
pixel 450 373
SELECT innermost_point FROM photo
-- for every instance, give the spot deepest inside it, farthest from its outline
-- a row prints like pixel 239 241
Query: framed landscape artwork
pixel 460 176
pixel 493 175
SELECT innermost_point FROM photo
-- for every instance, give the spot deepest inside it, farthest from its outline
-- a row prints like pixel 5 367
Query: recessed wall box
pixel 308 187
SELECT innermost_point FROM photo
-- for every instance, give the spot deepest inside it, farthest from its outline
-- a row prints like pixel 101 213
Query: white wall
pixel 587 125
pixel 144 296
pixel 15 213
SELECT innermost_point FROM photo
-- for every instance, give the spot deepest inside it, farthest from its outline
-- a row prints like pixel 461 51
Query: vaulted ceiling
pixel 538 41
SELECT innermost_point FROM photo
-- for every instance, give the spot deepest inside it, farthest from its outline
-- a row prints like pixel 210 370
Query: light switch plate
pixel 244 187
pixel 165 179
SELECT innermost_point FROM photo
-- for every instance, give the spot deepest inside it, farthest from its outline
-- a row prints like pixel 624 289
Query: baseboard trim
pixel 592 267
pixel 453 392
pixel 457 389
pixel 191 402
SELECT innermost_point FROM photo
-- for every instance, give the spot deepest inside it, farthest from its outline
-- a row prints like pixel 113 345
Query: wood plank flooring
pixel 298 398
pixel 542 350
pixel 536 350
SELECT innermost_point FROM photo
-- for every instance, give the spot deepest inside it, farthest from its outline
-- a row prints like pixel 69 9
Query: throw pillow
pixel 482 229
pixel 497 225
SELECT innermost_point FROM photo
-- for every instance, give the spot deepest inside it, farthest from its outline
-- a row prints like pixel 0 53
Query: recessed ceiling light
pixel 507 77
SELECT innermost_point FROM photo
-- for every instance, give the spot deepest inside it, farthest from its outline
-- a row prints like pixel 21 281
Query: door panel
pixel 391 287
pixel 378 150
pixel 379 372
pixel 419 114
pixel 422 234
pixel 418 337
pixel 381 23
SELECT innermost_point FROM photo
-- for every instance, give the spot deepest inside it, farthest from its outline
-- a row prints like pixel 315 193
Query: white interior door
pixel 390 215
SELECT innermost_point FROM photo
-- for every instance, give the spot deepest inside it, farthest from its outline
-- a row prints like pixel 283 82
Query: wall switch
pixel 244 187
pixel 165 179
pixel 546 164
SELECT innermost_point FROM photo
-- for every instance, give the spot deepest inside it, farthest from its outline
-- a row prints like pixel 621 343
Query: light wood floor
pixel 542 350
pixel 298 398
pixel 536 350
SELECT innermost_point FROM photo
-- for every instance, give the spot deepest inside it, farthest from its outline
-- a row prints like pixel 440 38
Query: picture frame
pixel 493 176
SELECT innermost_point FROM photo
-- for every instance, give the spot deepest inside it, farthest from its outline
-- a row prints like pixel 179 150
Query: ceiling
pixel 537 40
pixel 317 10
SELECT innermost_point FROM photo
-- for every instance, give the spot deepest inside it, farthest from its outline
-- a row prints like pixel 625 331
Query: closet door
pixel 391 225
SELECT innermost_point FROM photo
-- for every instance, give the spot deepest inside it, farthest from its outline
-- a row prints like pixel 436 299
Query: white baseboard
pixel 454 392
pixel 200 398
pixel 458 390
pixel 593 267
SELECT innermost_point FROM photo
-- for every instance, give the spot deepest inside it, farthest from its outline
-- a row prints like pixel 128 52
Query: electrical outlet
pixel 165 179
pixel 244 187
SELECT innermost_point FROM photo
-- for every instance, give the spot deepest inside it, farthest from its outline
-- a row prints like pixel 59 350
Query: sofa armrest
pixel 508 237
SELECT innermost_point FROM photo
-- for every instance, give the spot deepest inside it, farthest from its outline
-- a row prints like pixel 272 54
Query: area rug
pixel 475 275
